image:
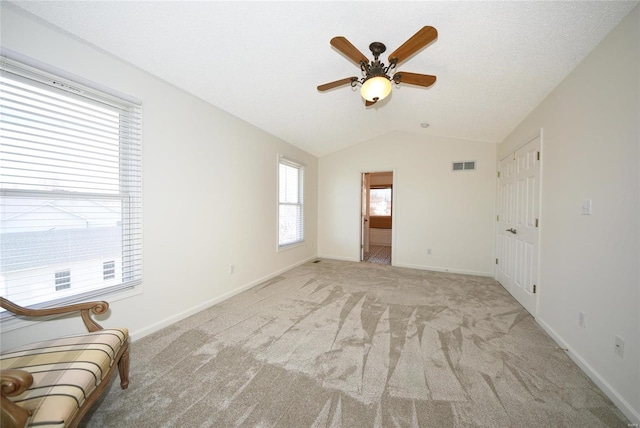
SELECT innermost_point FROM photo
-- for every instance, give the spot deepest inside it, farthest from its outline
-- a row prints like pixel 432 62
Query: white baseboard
pixel 345 259
pixel 420 267
pixel 139 334
pixel 625 407
pixel 440 269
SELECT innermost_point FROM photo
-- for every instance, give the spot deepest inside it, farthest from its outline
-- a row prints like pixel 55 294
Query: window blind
pixel 291 203
pixel 70 189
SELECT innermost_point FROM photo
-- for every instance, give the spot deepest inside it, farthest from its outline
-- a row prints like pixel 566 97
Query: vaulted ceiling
pixel 262 61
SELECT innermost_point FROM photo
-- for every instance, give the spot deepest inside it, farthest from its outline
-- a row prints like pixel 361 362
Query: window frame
pixel 285 161
pixel 22 68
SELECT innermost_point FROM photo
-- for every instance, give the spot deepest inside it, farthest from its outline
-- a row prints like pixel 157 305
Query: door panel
pixel 517 234
pixel 505 220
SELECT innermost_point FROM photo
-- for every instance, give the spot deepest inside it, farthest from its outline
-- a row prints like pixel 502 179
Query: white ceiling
pixel 261 61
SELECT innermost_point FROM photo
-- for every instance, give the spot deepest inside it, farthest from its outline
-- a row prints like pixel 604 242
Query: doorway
pixel 518 219
pixel 376 217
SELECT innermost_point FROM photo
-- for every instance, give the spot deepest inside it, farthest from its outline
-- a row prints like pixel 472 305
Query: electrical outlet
pixel 585 208
pixel 428 251
pixel 619 347
pixel 232 269
pixel 582 318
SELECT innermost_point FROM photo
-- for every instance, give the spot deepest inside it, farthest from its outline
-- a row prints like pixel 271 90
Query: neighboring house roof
pixel 33 214
pixel 26 250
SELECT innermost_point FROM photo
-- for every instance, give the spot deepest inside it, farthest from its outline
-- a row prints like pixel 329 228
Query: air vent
pixel 464 166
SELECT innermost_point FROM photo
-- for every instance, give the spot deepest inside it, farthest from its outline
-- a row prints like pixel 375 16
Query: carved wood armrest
pixel 84 309
pixel 14 382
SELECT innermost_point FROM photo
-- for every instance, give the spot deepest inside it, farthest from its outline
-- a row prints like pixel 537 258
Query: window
pixel 70 187
pixel 290 203
pixel 108 270
pixel 380 201
pixel 63 280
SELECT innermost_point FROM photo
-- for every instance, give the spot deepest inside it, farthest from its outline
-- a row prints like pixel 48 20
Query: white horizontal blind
pixel 70 189
pixel 291 202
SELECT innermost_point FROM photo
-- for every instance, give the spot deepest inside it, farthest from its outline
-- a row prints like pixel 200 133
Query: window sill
pixel 13 322
pixel 290 246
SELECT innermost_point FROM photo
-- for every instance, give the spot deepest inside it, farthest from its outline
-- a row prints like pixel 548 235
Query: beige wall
pixel 209 190
pixel 591 137
pixel 451 213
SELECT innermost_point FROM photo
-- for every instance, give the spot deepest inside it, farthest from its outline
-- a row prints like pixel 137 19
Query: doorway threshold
pixel 380 254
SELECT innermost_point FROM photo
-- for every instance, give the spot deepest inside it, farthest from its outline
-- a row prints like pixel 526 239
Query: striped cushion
pixel 65 371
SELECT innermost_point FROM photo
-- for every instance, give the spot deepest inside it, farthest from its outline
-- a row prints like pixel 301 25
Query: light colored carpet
pixel 340 344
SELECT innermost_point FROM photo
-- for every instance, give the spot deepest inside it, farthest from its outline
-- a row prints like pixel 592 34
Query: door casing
pixel 364 208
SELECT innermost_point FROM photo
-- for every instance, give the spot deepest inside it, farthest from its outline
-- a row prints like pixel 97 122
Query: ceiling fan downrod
pixel 376 67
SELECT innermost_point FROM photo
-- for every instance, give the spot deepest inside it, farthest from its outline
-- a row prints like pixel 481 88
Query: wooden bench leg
pixel 12 414
pixel 123 368
pixel 14 383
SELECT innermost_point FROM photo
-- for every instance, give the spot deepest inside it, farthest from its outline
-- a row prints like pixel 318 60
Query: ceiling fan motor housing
pixel 376 67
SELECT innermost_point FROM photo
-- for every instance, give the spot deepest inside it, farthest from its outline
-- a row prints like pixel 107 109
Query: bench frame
pixel 15 382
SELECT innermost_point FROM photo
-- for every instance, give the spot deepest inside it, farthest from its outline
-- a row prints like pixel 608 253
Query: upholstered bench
pixel 54 383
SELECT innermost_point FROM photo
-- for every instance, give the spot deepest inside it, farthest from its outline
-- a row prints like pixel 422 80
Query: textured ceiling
pixel 262 61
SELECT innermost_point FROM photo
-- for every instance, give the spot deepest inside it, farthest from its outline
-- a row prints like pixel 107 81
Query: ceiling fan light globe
pixel 376 88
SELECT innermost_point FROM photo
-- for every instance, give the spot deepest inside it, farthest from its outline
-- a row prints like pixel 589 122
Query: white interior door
pixel 518 221
pixel 506 203
pixel 364 216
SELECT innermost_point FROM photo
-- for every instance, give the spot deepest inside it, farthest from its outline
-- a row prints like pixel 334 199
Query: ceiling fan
pixel 376 83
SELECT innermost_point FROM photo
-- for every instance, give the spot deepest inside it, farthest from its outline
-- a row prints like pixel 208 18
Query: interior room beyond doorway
pixel 377 216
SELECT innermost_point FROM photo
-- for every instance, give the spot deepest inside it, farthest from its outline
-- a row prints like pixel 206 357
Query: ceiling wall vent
pixel 463 166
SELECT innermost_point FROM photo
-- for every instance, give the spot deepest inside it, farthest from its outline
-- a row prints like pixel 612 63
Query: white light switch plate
pixel 585 208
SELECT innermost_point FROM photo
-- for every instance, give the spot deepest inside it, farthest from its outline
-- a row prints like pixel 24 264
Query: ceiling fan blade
pixel 337 83
pixel 368 103
pixel 351 52
pixel 419 40
pixel 414 78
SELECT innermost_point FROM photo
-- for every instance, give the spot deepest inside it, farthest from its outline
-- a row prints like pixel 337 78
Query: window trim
pixel 131 187
pixel 281 159
pixel 15 56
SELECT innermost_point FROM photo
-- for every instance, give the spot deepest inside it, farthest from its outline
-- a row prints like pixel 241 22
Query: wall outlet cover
pixel 619 347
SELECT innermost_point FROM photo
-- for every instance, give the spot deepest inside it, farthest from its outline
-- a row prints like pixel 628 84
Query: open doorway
pixel 376 217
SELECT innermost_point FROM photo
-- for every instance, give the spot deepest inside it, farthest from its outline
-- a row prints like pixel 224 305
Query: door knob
pixel 512 230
